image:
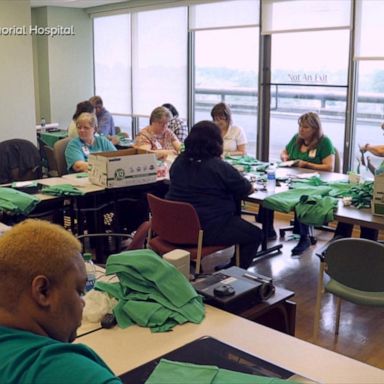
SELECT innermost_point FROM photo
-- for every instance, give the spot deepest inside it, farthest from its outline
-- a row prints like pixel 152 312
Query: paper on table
pixel 289 163
pixel 306 175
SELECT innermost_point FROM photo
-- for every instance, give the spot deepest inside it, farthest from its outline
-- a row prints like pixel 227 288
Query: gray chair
pixel 51 161
pixel 59 155
pixel 356 271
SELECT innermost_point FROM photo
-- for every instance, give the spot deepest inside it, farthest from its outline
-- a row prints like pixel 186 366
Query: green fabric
pixel 361 193
pixel 62 190
pixel 151 292
pixel 16 202
pixel 26 357
pixel 248 162
pixel 173 372
pixel 286 201
pixel 50 138
pixel 375 299
pixel 323 150
pixel 315 210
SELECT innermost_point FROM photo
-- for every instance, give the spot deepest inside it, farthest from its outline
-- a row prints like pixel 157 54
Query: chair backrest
pixel 19 160
pixel 337 167
pixel 140 236
pixel 174 221
pixel 51 160
pixel 356 263
pixel 59 152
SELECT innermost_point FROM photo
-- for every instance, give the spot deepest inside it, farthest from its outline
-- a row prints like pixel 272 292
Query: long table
pixel 350 215
pixel 126 349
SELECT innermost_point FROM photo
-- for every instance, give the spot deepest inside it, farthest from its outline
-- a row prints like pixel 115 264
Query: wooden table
pixel 126 349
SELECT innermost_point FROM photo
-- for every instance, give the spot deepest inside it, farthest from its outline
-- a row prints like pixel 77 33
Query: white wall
pixel 17 106
pixel 65 63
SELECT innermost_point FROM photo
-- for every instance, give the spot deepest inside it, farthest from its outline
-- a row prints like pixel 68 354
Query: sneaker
pixel 272 235
pixel 303 244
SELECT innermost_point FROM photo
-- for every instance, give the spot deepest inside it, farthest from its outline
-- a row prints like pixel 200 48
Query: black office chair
pixel 19 161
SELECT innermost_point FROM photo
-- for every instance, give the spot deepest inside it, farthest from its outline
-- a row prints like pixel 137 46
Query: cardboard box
pixel 378 195
pixel 122 168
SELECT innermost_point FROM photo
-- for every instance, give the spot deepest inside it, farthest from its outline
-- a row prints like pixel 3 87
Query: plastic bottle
pixel 91 271
pixel 271 178
pixel 42 122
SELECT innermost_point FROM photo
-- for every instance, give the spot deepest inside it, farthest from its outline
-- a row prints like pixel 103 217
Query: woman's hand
pixel 303 164
pixel 363 148
pixel 284 155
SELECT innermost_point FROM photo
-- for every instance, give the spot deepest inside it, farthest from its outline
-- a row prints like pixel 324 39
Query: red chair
pixel 176 226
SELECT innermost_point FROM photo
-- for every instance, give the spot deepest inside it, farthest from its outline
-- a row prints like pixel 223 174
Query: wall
pixel 17 107
pixel 65 63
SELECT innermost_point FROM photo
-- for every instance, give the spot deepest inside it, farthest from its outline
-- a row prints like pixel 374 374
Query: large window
pixel 160 60
pixel 112 54
pixel 309 67
pixel 369 56
pixel 309 73
pixel 140 70
pixel 226 56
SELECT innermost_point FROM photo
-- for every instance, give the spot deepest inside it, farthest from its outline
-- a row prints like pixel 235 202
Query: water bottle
pixel 271 178
pixel 42 122
pixel 91 272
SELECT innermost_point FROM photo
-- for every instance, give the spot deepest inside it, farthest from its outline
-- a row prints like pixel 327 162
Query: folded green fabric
pixel 173 372
pixel 62 190
pixel 151 292
pixel 286 201
pixel 16 202
pixel 315 210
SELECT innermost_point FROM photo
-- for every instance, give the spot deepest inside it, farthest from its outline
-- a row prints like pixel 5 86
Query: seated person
pixel 79 148
pixel 377 150
pixel 177 125
pixel 346 229
pixel 157 137
pixel 83 106
pixel 235 141
pixel 105 123
pixel 200 177
pixel 41 288
pixel 314 151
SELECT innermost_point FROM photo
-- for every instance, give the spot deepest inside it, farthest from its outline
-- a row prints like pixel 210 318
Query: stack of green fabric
pixel 173 372
pixel 287 200
pixel 16 202
pixel 248 162
pixel 62 190
pixel 151 292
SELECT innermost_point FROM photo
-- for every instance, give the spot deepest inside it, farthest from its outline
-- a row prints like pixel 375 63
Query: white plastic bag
pixel 97 304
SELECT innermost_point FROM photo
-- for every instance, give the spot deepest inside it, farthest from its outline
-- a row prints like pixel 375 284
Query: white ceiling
pixel 72 3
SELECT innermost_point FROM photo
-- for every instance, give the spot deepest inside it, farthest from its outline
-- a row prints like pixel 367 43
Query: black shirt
pixel 212 186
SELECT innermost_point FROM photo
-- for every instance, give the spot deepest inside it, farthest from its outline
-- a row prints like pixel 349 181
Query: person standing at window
pixel 235 141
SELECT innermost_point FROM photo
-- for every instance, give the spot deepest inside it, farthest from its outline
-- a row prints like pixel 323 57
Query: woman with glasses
pixel 235 141
pixel 157 137
pixel 79 148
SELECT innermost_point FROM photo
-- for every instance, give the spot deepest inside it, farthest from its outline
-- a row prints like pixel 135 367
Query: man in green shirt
pixel 41 287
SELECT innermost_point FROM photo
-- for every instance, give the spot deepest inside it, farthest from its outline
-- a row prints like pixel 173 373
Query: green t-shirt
pixel 29 358
pixel 323 149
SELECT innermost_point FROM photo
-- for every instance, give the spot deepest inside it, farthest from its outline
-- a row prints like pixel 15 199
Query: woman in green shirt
pixel 310 146
pixel 313 150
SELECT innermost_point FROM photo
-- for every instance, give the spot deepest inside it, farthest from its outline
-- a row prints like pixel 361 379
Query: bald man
pixel 42 280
